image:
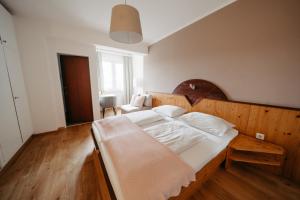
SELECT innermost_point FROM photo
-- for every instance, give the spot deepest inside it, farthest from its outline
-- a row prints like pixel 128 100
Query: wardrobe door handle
pixel 16 98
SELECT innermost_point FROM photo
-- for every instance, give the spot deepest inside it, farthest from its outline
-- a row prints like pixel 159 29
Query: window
pixel 113 76
pixel 112 73
pixel 120 74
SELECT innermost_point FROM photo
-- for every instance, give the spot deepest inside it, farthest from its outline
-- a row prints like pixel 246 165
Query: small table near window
pixel 108 101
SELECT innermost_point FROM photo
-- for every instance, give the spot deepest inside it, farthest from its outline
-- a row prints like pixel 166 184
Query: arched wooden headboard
pixel 197 89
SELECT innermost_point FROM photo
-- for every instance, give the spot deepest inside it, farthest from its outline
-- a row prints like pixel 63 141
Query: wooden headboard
pixel 197 89
pixel 280 125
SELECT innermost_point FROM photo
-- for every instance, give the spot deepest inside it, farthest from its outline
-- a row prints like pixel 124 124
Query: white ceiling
pixel 159 18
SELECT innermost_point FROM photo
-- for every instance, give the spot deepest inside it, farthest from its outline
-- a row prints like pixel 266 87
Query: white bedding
pixel 196 155
pixel 203 152
pixel 176 135
pixel 208 123
pixel 144 117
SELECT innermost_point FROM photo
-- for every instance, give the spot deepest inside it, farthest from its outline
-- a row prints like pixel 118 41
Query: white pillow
pixel 169 110
pixel 139 101
pixel 148 100
pixel 132 99
pixel 208 123
pixel 144 117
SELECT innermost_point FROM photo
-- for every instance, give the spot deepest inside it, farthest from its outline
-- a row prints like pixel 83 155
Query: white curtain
pixel 138 74
pixel 116 76
pixel 128 79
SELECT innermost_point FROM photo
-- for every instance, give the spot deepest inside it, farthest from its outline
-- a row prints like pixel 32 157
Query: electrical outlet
pixel 260 136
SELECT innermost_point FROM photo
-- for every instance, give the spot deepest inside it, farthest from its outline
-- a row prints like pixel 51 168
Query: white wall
pixel 39 42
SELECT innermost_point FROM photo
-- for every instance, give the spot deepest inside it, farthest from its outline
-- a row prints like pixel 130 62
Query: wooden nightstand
pixel 253 151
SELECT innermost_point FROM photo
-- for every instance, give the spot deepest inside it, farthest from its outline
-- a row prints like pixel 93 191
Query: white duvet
pixel 176 135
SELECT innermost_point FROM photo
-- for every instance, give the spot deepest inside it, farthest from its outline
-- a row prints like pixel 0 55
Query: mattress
pixel 197 156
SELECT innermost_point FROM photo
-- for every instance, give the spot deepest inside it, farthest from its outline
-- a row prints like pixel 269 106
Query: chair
pixel 108 101
pixel 128 108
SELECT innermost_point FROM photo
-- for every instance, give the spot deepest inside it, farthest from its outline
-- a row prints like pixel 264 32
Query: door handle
pixel 16 98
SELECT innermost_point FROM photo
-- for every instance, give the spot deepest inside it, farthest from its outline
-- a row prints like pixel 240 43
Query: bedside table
pixel 253 151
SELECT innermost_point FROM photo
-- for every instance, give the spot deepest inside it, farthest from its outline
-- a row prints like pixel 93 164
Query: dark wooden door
pixel 76 89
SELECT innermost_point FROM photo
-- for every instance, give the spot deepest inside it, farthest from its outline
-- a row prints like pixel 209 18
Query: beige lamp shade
pixel 125 26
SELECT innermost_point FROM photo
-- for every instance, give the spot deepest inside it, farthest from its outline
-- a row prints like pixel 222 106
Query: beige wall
pixel 250 49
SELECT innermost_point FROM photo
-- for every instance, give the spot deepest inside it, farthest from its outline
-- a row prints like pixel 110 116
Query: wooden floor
pixel 109 112
pixel 58 166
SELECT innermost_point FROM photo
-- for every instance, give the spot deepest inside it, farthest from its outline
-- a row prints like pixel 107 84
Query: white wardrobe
pixel 15 119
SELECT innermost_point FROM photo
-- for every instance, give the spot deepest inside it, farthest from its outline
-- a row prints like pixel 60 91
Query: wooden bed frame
pixel 281 125
pixel 106 190
pixel 193 91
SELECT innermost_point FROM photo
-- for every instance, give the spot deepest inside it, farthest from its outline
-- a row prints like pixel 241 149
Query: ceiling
pixel 159 18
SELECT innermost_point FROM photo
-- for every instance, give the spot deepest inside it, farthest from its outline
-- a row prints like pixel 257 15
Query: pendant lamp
pixel 125 25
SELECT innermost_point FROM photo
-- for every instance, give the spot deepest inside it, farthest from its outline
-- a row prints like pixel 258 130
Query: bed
pixel 187 150
pixel 204 156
